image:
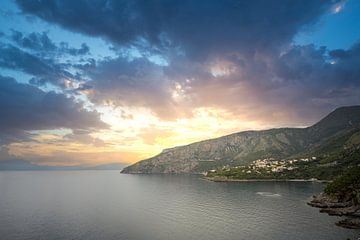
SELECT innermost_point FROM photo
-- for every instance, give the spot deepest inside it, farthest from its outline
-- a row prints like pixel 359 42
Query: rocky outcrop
pixel 345 203
pixel 353 223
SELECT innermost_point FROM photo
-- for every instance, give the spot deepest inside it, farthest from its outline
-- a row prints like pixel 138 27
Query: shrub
pixel 345 181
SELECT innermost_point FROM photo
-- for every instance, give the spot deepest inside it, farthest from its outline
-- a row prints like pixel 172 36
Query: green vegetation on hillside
pixel 324 167
pixel 351 179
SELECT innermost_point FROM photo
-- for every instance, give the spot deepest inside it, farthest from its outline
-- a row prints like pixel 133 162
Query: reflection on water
pixel 109 205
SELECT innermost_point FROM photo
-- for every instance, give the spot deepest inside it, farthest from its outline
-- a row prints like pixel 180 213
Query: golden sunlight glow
pixel 135 134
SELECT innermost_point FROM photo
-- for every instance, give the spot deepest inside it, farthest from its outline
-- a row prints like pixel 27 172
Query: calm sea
pixel 108 205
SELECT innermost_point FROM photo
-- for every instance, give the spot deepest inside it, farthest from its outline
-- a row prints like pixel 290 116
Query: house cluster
pixel 273 165
pixel 268 165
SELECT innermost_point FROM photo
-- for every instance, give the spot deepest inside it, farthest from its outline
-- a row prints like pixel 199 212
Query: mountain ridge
pixel 242 147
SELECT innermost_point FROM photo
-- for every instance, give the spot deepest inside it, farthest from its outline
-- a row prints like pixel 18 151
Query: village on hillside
pixel 268 165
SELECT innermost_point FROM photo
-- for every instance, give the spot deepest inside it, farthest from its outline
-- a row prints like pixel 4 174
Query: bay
pixel 109 205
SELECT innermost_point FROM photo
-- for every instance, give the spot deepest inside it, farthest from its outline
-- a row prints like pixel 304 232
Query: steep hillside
pixel 244 147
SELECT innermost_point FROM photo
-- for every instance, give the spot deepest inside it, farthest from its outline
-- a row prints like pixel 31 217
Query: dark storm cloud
pixel 339 53
pixel 234 55
pixel 36 41
pixel 43 69
pixel 40 42
pixel 24 108
pixel 198 27
pixel 304 81
pixel 132 83
pixel 64 47
pixel 83 136
pixel 321 68
pixel 308 81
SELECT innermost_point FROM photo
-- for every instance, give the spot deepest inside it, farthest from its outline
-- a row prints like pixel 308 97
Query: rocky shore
pixel 340 204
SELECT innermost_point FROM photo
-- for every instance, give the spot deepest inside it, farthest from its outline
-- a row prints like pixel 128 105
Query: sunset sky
pixel 92 82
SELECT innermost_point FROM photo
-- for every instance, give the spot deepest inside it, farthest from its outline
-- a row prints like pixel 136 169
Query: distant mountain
pixel 17 164
pixel 336 131
pixel 22 165
pixel 108 166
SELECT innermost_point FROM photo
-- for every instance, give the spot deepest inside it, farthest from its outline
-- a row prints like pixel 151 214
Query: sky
pixel 103 81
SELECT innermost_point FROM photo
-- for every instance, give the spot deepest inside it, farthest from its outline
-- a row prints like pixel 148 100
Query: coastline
pixel 216 179
pixel 336 205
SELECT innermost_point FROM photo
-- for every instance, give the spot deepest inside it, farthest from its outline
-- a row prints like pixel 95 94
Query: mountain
pixel 17 164
pixel 337 130
pixel 23 165
pixel 108 166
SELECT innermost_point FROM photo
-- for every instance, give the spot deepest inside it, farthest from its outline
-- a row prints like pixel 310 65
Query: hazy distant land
pixel 22 165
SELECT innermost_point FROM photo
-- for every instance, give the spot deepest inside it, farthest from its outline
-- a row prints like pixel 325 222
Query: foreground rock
pixel 352 223
pixel 335 206
pixel 342 198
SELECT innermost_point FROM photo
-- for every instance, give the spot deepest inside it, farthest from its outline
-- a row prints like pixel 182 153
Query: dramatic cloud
pixel 138 83
pixel 36 41
pixel 197 27
pixel 163 73
pixel 25 108
pixel 228 54
pixel 299 85
pixel 40 42
pixel 43 69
